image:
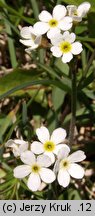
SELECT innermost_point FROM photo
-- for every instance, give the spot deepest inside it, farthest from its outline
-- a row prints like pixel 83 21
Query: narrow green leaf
pixel 27 84
pixel 35 8
pixel 86 81
pixel 13 11
pixel 24 113
pixel 86 39
pixel 10 44
pixel 91 24
pixel 65 81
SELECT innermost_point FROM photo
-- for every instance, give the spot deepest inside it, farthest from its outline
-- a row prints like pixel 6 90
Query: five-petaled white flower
pixel 66 166
pixel 49 145
pixel 52 24
pixel 77 13
pixel 18 146
pixel 36 169
pixel 30 38
pixel 64 45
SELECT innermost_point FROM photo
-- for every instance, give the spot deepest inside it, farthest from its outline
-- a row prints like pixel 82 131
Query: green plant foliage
pixel 39 89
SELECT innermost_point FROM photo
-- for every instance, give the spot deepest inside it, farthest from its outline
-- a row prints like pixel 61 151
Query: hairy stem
pixel 73 107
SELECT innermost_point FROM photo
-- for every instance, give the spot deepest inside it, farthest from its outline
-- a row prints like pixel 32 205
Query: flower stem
pixel 73 106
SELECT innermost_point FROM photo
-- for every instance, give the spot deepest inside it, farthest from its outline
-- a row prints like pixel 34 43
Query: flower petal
pixel 28 157
pixel 71 9
pixel 47 175
pixel 63 178
pixel 67 57
pixel 56 167
pixel 38 39
pixel 23 147
pixel 59 12
pixel 44 160
pixel 31 29
pixel 56 51
pixel 83 8
pixel 76 48
pixel 31 48
pixel 34 182
pixel 42 186
pixel 66 23
pixel 63 151
pixel 19 142
pixel 18 146
pixel 25 32
pixel 53 32
pixel 41 28
pixel 45 16
pixel 51 156
pixel 11 142
pixel 29 42
pixel 43 134
pixel 77 156
pixel 57 39
pixel 77 18
pixel 22 171
pixel 16 151
pixel 69 37
pixel 58 135
pixel 76 171
pixel 37 147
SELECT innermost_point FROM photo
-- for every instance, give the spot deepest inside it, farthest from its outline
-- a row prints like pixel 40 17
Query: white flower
pixel 77 13
pixel 30 38
pixel 66 166
pixel 18 146
pixel 49 145
pixel 64 45
pixel 36 169
pixel 53 23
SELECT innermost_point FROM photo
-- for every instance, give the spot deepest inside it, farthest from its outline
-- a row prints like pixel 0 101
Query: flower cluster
pixel 47 159
pixel 57 26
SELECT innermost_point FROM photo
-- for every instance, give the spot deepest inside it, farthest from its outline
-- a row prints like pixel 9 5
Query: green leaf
pixel 74 195
pixel 53 115
pixel 89 93
pixel 80 29
pixel 13 11
pixel 2 173
pixel 24 113
pixel 57 98
pixel 79 112
pixel 6 122
pixel 66 82
pixel 15 78
pixel 86 81
pixel 10 43
pixel 91 24
pixel 20 79
pixel 35 8
pixel 64 68
pixel 86 39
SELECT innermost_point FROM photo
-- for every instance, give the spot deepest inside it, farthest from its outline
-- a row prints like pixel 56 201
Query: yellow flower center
pixel 35 168
pixel 53 23
pixel 33 37
pixel 65 47
pixel 64 164
pixel 49 146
